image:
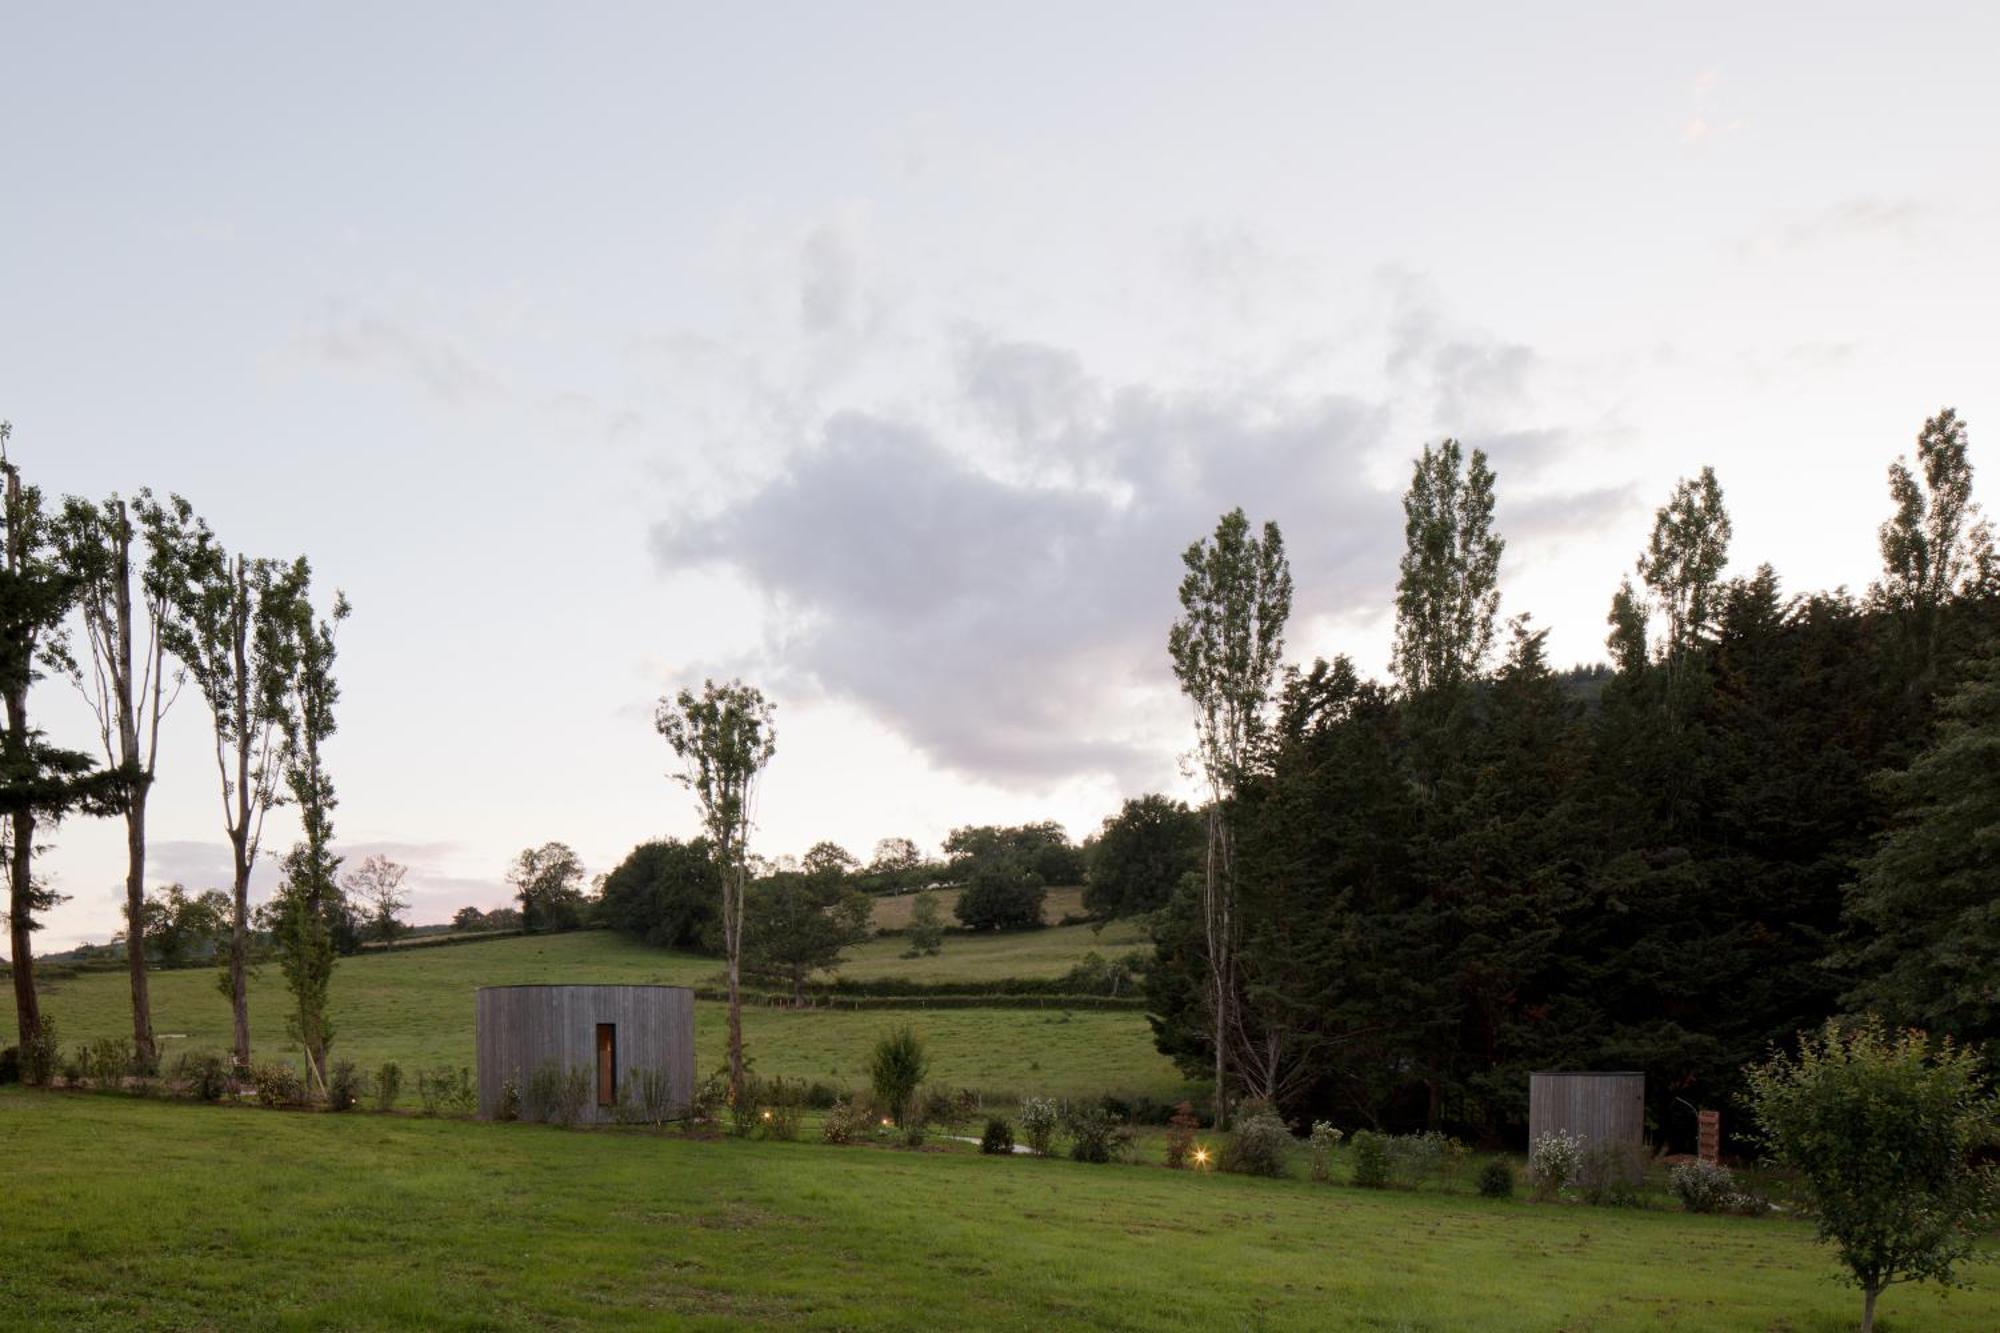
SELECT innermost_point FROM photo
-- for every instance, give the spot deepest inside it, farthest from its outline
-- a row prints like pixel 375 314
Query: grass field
pixel 415 1008
pixel 134 1213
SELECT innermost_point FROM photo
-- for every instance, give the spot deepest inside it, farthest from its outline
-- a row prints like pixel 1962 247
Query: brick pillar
pixel 1710 1149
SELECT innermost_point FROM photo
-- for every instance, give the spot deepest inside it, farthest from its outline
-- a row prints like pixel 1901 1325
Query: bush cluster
pixel 204 1074
pixel 1554 1161
pixel 1261 1145
pixel 345 1086
pixel 998 1140
pixel 444 1089
pixel 1095 1135
pixel 1496 1179
pixel 1040 1119
pixel 278 1085
pixel 845 1122
pixel 1608 1174
pixel 1702 1187
pixel 1320 1145
pixel 554 1095
pixel 388 1084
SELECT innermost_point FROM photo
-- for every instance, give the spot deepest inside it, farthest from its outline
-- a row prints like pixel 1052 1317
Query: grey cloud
pixel 435 363
pixel 1027 390
pixel 999 624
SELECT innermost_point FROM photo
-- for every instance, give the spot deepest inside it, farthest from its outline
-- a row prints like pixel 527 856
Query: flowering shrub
pixel 278 1085
pixel 845 1122
pixel 1259 1148
pixel 1320 1144
pixel 1554 1160
pixel 1040 1117
pixel 1702 1187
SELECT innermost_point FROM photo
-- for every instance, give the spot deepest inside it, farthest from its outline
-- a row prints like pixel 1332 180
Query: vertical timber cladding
pixel 1595 1108
pixel 521 1028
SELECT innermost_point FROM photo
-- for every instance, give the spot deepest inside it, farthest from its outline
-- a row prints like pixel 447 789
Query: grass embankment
pixel 133 1213
pixel 416 1008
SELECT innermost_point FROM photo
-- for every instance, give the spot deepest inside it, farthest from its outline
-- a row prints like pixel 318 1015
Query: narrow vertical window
pixel 607 1064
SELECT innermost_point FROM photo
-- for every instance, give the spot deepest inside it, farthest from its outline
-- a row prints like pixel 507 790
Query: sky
pixel 887 356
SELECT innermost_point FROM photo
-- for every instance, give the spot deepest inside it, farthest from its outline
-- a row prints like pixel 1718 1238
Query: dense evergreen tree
pixel 1929 896
pixel 1140 855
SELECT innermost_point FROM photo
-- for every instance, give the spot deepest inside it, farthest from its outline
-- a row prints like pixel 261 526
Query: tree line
pixel 133 601
pixel 1403 896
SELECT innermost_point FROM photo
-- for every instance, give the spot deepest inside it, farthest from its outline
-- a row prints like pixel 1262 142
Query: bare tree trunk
pixel 1868 1296
pixel 21 922
pixel 1215 914
pixel 732 929
pixel 135 928
pixel 126 706
pixel 239 837
pixel 239 948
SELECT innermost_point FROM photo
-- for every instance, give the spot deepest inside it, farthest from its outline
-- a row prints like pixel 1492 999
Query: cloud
pixel 1856 219
pixel 436 363
pixel 1011 626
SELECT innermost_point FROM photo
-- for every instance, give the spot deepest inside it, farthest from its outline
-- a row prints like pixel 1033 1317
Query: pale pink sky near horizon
pixel 887 356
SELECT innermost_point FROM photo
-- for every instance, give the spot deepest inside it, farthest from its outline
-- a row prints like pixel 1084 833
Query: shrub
pixel 820 1096
pixel 743 1109
pixel 953 1110
pixel 898 1067
pixel 1496 1179
pixel 1415 1158
pixel 845 1122
pixel 39 1058
pixel 1323 1140
pixel 1702 1187
pixel 1260 1147
pixel 10 1065
pixel 1040 1118
pixel 1554 1160
pixel 1095 1136
pixel 998 1140
pixel 646 1098
pixel 1609 1174
pixel 556 1096
pixel 1180 1135
pixel 278 1085
pixel 433 1086
pixel 1882 1128
pixel 787 1101
pixel 105 1062
pixel 1370 1151
pixel 345 1087
pixel 913 1132
pixel 204 1074
pixel 510 1099
pixel 708 1099
pixel 75 1067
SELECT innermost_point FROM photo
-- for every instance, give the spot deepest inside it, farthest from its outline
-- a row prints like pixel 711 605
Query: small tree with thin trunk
pixel 1882 1127
pixel 1235 598
pixel 724 737
pixel 127 685
pixel 229 626
pixel 312 897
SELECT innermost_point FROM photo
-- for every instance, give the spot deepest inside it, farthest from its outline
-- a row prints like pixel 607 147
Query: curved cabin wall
pixel 608 1030
pixel 1596 1108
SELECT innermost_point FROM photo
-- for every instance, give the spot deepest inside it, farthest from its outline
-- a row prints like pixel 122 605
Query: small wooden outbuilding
pixel 1594 1107
pixel 610 1030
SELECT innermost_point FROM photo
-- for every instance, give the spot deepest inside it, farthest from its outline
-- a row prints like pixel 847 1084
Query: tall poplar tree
pixel 1235 598
pixel 311 897
pixel 231 627
pixel 1448 592
pixel 724 737
pixel 127 686
pixel 1683 560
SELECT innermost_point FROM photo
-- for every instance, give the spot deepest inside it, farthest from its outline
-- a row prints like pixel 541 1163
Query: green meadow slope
pixel 147 1214
pixel 415 1007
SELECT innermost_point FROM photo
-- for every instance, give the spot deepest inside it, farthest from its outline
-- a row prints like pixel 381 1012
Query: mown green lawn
pixel 129 1213
pixel 416 1007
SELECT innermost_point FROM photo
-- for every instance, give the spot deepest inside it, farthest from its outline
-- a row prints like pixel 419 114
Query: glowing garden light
pixel 1201 1157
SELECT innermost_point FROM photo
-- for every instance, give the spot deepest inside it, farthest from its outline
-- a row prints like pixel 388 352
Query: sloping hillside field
pixel 415 1007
